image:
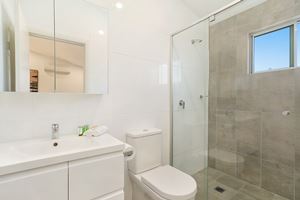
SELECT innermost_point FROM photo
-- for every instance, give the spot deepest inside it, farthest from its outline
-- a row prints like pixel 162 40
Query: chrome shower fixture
pixel 194 41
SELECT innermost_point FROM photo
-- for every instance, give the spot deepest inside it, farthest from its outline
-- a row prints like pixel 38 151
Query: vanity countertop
pixel 30 154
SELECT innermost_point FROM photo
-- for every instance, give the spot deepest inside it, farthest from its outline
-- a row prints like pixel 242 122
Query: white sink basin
pixel 24 155
pixel 63 145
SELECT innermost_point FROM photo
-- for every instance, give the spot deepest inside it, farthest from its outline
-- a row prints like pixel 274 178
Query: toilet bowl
pixel 166 183
pixel 150 179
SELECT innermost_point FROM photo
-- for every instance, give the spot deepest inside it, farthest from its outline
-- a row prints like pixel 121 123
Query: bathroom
pixel 205 90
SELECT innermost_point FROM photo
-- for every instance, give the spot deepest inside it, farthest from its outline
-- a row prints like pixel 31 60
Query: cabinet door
pixel 95 177
pixel 47 183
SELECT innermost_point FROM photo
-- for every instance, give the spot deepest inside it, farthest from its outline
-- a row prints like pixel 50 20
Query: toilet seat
pixel 169 183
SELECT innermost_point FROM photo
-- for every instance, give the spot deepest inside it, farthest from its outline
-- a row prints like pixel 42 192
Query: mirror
pixel 69 70
pixel 53 46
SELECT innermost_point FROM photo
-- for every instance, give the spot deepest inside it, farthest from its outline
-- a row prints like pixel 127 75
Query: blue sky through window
pixel 272 50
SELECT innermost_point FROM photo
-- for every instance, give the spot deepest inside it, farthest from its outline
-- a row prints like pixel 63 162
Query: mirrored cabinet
pixel 53 46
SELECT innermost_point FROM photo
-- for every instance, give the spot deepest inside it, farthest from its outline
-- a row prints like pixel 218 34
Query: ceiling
pixel 199 7
pixel 204 7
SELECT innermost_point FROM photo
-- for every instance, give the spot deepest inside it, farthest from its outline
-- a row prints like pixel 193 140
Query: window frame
pixel 292 24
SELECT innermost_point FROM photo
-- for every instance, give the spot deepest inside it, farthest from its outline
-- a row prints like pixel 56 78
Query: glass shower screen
pixel 190 75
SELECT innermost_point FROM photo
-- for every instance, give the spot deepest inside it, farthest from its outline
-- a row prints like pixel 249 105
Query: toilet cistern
pixel 55 131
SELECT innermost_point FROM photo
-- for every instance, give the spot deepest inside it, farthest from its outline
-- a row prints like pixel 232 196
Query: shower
pixel 242 141
pixel 190 73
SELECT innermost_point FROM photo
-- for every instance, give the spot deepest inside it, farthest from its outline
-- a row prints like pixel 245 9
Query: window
pixel 276 49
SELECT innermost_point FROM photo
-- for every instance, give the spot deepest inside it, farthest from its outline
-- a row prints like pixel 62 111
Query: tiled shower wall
pixel 249 137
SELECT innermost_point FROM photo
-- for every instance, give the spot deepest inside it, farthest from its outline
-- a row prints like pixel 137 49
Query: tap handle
pixel 55 127
pixel 182 104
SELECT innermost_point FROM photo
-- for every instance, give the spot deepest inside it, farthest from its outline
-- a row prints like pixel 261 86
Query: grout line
pixel 294 171
pixel 68 180
pixel 260 149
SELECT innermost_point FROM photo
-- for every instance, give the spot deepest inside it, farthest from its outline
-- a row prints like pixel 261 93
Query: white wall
pixel 139 51
pixel 138 98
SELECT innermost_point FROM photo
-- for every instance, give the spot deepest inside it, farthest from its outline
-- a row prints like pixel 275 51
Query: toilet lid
pixel 170 183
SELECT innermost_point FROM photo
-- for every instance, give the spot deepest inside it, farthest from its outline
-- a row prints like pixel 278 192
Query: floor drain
pixel 219 189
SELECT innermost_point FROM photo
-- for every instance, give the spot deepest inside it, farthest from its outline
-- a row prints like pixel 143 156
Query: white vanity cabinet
pixel 97 178
pixel 46 183
pixel 94 178
pixel 77 168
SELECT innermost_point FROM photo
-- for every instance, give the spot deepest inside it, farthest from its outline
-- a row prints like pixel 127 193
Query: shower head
pixel 194 41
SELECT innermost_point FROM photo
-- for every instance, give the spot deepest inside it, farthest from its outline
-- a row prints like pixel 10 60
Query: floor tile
pixel 257 192
pixel 242 196
pixel 232 182
pixel 226 195
pixel 234 188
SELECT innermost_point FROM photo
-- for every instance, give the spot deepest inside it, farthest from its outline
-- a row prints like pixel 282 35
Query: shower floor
pixel 222 186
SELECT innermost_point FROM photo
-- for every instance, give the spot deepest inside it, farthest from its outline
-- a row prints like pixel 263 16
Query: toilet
pixel 151 180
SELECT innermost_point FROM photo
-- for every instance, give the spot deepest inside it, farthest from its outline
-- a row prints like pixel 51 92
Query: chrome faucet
pixel 55 131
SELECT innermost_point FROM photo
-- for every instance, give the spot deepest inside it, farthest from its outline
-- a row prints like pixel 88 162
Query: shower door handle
pixel 203 96
pixel 182 104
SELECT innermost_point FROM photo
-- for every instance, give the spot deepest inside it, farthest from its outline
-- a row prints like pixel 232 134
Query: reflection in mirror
pixel 40 60
pixel 7 37
pixel 35 16
pixel 53 46
pixel 69 64
pixel 85 23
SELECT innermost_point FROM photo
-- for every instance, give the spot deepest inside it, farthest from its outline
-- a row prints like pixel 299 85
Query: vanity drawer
pixel 46 183
pixel 95 177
